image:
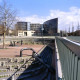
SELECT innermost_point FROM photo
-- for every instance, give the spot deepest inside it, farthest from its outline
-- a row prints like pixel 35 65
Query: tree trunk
pixel 3 40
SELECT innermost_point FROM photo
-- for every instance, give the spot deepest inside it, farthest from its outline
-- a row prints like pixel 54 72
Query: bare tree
pixel 7 16
pixel 78 27
pixel 69 29
pixel 72 29
pixel 16 29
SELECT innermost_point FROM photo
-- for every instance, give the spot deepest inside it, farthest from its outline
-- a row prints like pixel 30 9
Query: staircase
pixel 28 68
pixel 9 66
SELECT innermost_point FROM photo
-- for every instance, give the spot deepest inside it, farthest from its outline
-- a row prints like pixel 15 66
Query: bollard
pixel 14 43
pixel 11 44
pixel 20 54
pixel 21 42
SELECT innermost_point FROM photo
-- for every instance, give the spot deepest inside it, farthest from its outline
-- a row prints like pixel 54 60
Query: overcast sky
pixel 38 11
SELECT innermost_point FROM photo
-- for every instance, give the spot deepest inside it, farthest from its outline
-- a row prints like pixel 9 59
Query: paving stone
pixel 26 65
pixel 18 66
pixel 17 60
pixel 3 63
pixel 10 67
pixel 0 63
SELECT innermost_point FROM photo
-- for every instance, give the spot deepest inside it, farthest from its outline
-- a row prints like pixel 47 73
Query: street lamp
pixel 42 32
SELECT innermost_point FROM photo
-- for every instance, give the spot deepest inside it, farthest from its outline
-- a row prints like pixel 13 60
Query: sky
pixel 39 11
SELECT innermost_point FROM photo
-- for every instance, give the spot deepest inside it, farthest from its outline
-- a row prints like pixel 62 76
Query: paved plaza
pixel 14 51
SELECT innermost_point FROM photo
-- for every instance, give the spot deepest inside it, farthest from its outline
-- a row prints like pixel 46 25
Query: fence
pixel 69 54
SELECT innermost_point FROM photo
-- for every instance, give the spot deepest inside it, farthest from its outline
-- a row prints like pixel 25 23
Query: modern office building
pixel 28 29
pixel 23 29
pixel 37 28
pixel 23 25
pixel 50 27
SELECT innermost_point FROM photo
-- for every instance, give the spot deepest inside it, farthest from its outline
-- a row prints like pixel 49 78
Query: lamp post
pixel 42 32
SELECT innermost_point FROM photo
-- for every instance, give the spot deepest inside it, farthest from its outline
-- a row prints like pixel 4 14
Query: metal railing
pixel 35 55
pixel 74 38
pixel 69 54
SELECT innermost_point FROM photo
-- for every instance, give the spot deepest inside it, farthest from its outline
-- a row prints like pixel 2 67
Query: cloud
pixel 66 19
pixel 33 19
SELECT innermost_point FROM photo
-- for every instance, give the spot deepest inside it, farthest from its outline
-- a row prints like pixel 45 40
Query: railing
pixel 33 51
pixel 74 38
pixel 69 54
pixel 35 55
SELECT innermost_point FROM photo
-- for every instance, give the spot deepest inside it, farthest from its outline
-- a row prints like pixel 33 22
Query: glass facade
pixel 23 26
pixel 28 26
pixel 50 27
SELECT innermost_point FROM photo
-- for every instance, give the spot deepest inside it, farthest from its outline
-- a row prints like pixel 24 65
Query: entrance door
pixel 25 33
